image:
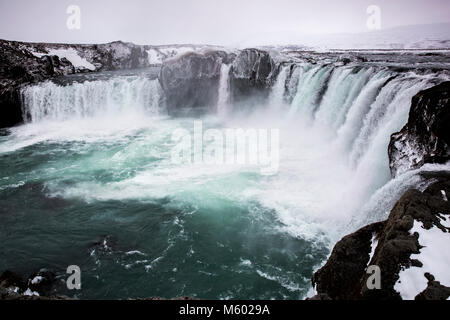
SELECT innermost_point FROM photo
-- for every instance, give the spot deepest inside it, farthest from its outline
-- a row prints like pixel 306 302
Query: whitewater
pixel 93 161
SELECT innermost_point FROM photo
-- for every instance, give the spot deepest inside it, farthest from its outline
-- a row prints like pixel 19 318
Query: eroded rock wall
pixel 426 136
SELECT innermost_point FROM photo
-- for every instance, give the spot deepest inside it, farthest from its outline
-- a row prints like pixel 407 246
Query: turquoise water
pixel 171 230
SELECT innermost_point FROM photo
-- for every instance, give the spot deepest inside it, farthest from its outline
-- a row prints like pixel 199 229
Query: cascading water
pixel 276 98
pixel 224 90
pixel 310 90
pixel 359 110
pixel 83 167
pixel 123 94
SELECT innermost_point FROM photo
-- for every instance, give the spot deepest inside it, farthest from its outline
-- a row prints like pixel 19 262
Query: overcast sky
pixel 203 21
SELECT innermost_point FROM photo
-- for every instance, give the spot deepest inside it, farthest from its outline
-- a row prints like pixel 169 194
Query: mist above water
pixel 335 124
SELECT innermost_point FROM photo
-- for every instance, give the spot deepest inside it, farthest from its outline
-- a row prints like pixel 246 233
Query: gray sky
pixel 203 21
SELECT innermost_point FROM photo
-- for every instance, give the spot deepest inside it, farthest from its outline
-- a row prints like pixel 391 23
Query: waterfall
pixel 114 96
pixel 223 101
pixel 353 119
pixel 346 84
pixel 276 98
pixel 292 83
pixel 362 105
pixel 311 87
pixel 353 111
pixel 369 152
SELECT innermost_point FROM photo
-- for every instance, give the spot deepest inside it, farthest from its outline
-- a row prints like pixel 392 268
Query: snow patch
pixel 158 55
pixel 444 195
pixel 434 256
pixel 154 56
pixel 70 54
pixel 37 280
pixel 374 244
pixel 176 52
pixel 30 293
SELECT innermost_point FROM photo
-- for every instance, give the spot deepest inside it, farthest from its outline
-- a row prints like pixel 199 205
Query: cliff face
pixel 426 136
pixel 24 63
pixel 17 67
pixel 192 80
pixel 252 73
pixel 398 246
pixel 189 80
pixel 116 55
pixel 341 277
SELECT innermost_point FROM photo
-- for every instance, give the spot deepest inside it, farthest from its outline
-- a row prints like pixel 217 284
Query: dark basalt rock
pixel 252 73
pixel 14 287
pixel 10 107
pixel 434 290
pixel 42 282
pixel 340 277
pixel 426 136
pixel 18 67
pixel 344 276
pixel 349 58
pixel 116 55
pixel 192 80
pixel 11 279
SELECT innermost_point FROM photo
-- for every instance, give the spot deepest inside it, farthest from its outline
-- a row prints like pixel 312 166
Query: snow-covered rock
pixel 434 257
pixel 426 136
pixel 71 55
pixel 410 248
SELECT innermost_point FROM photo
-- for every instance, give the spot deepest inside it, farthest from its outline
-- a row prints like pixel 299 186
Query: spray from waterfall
pixel 342 118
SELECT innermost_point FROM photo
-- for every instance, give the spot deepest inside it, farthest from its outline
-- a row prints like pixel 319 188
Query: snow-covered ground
pixel 70 54
pixel 435 257
pixel 432 36
pixel 158 55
